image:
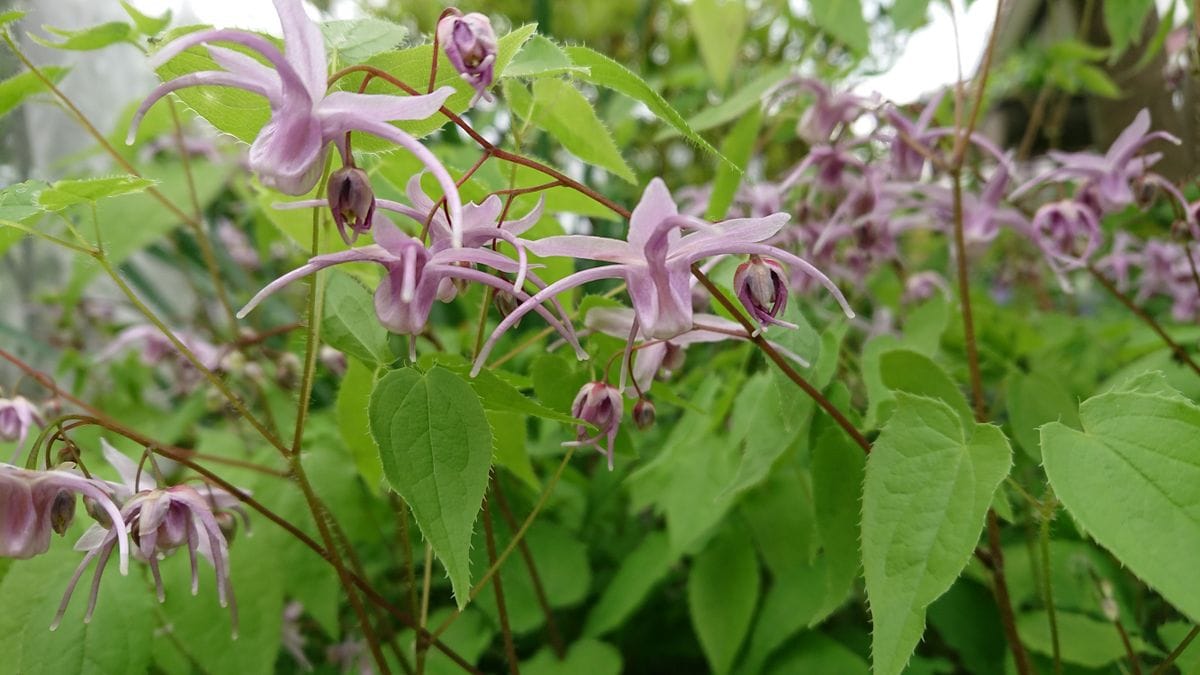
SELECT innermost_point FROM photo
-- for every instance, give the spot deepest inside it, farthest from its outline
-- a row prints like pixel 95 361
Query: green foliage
pixel 566 114
pixel 349 323
pixel 14 90
pixel 89 39
pixel 842 19
pixel 435 445
pixel 718 26
pixel 1124 22
pixel 356 40
pixel 929 481
pixel 1129 478
pixel 722 592
pixel 65 193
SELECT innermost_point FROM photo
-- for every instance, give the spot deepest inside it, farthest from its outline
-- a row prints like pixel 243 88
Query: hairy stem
pixel 510 648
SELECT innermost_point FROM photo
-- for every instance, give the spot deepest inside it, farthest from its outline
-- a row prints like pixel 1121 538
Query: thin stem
pixel 1047 587
pixel 426 579
pixel 1003 599
pixel 1180 352
pixel 516 539
pixel 1130 653
pixel 985 68
pixel 539 590
pixel 964 294
pixel 510 649
pixel 48 237
pixel 543 333
pixel 771 353
pixel 1165 666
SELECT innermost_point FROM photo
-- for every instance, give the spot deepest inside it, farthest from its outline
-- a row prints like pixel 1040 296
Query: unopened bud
pixel 287 370
pixel 228 524
pixel 97 512
pixel 506 303
pixel 333 359
pixel 600 405
pixel 352 202
pixel 643 414
pixel 674 358
pixel 62 511
pixel 761 286
pixel 470 44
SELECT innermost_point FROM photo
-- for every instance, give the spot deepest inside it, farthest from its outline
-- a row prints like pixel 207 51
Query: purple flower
pixel 761 286
pixel 983 213
pixel 1108 176
pixel 908 162
pixel 600 405
pixel 32 506
pixel 470 44
pixel 352 201
pixel 237 245
pixel 656 261
pixel 1121 259
pixel 160 521
pixel 1067 232
pixel 828 111
pixel 154 347
pixel 288 152
pixel 923 285
pixel 414 275
pixel 17 415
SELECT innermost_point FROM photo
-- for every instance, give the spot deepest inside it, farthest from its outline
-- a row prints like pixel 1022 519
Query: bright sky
pixel 923 66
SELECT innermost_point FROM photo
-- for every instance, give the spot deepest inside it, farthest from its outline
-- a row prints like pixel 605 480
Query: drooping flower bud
pixel 761 285
pixel 62 512
pixel 506 303
pixel 352 202
pixel 1067 231
pixel 17 415
pixel 643 414
pixel 333 359
pixel 470 44
pixel 600 405
pixel 228 524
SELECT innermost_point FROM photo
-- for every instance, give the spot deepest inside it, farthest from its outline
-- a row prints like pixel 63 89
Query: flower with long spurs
pixel 600 405
pixel 289 152
pixel 470 44
pixel 17 416
pixel 655 262
pixel 35 503
pixel 160 521
pixel 414 274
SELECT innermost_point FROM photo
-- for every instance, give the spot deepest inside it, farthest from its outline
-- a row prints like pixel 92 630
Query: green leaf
pixel 967 619
pixel 146 24
pixel 117 640
pixel 66 193
pixel 605 72
pixel 1082 640
pixel 740 101
pixel 781 517
pixel 722 592
pixel 843 19
pixel 928 487
pixel 817 653
pixel 19 202
pixel 21 86
pixel 737 146
pixel 1124 21
pixel 1131 478
pixel 1155 45
pixel 909 14
pixel 915 373
pixel 718 26
pixel 640 571
pixel 796 406
pixel 1173 633
pixel 511 446
pixel 495 393
pixel 540 57
pixel 1095 81
pixel 556 381
pixel 436 448
pixel 567 115
pixel 758 418
pixel 356 40
pixel 838 470
pixel 1034 399
pixel 354 423
pixel 11 16
pixel 88 39
pixel 349 323
pixel 586 657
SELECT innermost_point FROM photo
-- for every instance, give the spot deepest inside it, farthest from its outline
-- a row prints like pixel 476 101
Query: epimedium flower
pixel 600 405
pixel 289 151
pixel 907 162
pixel 159 521
pixel 470 44
pixel 655 262
pixel 405 297
pixel 35 503
pixel 1107 176
pixel 352 202
pixel 761 286
pixel 1068 233
pixel 17 416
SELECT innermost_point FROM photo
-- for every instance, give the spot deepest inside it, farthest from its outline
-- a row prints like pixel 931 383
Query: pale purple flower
pixel 1108 176
pixel 600 405
pixel 414 274
pixel 655 261
pixel 983 213
pixel 159 521
pixel 17 416
pixel 289 151
pixel 1121 260
pixel 237 245
pixel 352 202
pixel 828 111
pixel 293 638
pixel 470 44
pixel 761 286
pixel 924 285
pixel 31 508
pixel 907 162
pixel 333 359
pixel 154 347
pixel 1067 232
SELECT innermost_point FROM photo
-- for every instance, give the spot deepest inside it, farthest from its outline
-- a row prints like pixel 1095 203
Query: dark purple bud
pixel 470 44
pixel 761 285
pixel 97 512
pixel 352 201
pixel 643 414
pixel 62 511
pixel 600 405
pixel 506 303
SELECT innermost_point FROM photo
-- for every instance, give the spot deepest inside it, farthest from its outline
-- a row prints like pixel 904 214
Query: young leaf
pixel 435 445
pixel 1083 641
pixel 350 324
pixel 1124 21
pixel 88 39
pixel 21 86
pixel 718 26
pixel 915 373
pixel 722 592
pixel 1131 478
pixel 66 193
pixel 909 14
pixel 540 57
pixel 567 115
pixel 11 16
pixel 586 656
pixel 605 72
pixel 19 202
pixel 843 19
pixel 928 486
pixel 146 24
pixel 1033 399
pixel 737 146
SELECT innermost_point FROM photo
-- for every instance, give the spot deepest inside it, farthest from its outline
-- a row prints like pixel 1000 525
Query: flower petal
pixel 373 253
pixel 287 153
pixel 587 247
pixel 729 231
pixel 204 78
pixel 655 206
pixel 304 47
pixel 343 111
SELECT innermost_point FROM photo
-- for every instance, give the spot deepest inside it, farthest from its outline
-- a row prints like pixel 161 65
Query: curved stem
pixel 1165 666
pixel 1180 352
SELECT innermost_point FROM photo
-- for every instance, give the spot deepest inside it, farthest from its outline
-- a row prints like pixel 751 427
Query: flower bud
pixel 287 370
pixel 600 405
pixel 334 360
pixel 470 44
pixel 62 511
pixel 643 414
pixel 96 512
pixel 352 201
pixel 506 303
pixel 762 288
